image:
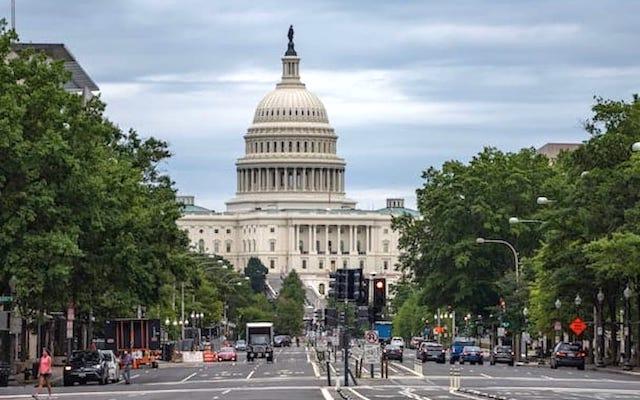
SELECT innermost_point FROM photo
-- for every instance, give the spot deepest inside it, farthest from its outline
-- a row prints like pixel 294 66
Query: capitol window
pixel 304 264
pixel 321 288
pixel 385 246
pixel 320 264
pixel 272 229
pixel 385 265
pixel 201 246
pixel 272 264
pixel 215 231
pixel 228 246
pixel 272 245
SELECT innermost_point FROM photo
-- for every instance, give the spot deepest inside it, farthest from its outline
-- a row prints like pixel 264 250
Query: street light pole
pixel 558 304
pixel 600 329
pixel 510 246
pixel 182 311
pixel 627 329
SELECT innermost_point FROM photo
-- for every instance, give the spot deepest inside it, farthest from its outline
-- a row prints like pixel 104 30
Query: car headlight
pixel 67 368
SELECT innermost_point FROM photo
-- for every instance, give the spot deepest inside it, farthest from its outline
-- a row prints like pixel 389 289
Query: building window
pixel 385 246
pixel 253 242
pixel 201 231
pixel 228 246
pixel 342 246
pixel 272 245
pixel 320 264
pixel 215 230
pixel 321 288
pixel 228 230
pixel 344 263
pixel 358 246
pixel 201 246
pixel 385 265
pixel 272 230
pixel 330 246
pixel 272 264
pixel 318 246
pixel 362 264
pixel 304 264
pixel 386 230
pixel 216 246
pixel 333 265
pixel 301 246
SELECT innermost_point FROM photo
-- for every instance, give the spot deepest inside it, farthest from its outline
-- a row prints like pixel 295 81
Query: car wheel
pixel 511 363
pixel 451 361
pixel 492 362
pixel 67 382
pixel 481 362
pixel 401 360
pixel 553 365
pixel 581 367
pixel 461 362
pixel 103 380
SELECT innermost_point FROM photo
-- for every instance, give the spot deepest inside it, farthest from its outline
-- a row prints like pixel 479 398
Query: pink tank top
pixel 45 365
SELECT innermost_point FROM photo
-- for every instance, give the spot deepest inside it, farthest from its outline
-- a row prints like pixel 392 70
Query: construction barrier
pixel 209 356
pixel 192 356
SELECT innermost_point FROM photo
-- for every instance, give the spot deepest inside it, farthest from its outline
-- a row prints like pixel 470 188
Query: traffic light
pixel 379 295
pixel 330 317
pixel 318 315
pixel 338 284
pixel 356 290
pixel 342 318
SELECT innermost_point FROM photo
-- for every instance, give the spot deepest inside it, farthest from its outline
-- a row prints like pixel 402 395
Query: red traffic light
pixel 379 285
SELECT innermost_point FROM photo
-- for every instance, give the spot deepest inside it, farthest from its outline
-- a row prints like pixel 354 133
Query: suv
pixel 568 354
pixel 85 366
pixel 430 351
pixel 397 341
pixel 456 348
pixel 502 354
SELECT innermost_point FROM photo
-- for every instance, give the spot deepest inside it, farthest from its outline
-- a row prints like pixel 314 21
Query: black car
pixel 5 371
pixel 430 351
pixel 85 366
pixel 502 354
pixel 568 355
pixel 282 341
pixel 392 352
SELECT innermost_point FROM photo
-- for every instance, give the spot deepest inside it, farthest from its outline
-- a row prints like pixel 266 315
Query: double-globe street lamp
pixel 627 293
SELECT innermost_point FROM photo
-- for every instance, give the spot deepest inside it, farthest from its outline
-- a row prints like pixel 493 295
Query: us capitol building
pixel 290 208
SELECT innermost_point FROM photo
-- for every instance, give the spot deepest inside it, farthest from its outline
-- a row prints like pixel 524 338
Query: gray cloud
pixel 407 85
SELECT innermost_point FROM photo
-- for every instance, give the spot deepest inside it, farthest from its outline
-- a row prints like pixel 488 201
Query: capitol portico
pixel 290 208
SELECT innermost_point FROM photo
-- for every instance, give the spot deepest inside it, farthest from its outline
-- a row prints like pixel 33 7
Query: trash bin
pixel 34 369
pixel 5 371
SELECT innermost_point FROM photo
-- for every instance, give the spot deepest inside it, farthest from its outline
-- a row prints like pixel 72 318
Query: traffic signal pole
pixel 346 334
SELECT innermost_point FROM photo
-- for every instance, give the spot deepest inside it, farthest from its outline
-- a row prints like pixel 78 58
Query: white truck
pixel 260 340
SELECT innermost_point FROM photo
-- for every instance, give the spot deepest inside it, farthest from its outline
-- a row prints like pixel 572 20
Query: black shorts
pixel 46 376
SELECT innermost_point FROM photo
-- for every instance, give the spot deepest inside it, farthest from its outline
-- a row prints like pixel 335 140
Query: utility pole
pixel 346 332
pixel 13 15
pixel 182 311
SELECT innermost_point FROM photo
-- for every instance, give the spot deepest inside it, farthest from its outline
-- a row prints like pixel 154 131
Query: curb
pixel 482 394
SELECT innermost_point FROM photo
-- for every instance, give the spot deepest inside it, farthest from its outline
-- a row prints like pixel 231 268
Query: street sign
pixel 577 326
pixel 557 326
pixel 6 299
pixel 372 354
pixel 501 332
pixel 438 330
pixel 371 337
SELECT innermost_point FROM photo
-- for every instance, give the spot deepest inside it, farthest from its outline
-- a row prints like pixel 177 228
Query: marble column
pixel 310 234
pixel 297 240
pixel 366 239
pixel 339 249
pixel 326 239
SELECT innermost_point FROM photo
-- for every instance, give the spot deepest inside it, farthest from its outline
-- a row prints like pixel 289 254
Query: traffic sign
pixel 577 326
pixel 438 330
pixel 372 354
pixel 371 337
pixel 501 332
pixel 557 326
pixel 6 299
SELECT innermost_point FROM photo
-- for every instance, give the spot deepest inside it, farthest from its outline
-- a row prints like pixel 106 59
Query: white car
pixel 397 341
pixel 113 365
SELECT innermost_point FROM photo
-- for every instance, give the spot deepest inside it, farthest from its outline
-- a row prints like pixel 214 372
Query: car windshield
pixel 107 356
pixel 259 339
pixel 227 350
pixel 471 348
pixel 460 345
pixel 503 349
pixel 434 347
pixel 392 347
pixel 569 347
pixel 85 356
pixel 240 342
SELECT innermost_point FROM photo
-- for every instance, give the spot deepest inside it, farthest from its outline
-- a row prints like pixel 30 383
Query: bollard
pixel 328 374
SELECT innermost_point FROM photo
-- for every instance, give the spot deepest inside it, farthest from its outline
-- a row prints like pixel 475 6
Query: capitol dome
pixel 290 159
pixel 290 103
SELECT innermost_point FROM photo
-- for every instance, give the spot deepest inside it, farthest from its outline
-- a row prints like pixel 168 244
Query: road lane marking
pixel 188 377
pixel 326 394
pixel 316 370
pixel 409 393
pixel 487 376
pixel 358 394
pixel 406 368
pixel 226 391
pixel 250 374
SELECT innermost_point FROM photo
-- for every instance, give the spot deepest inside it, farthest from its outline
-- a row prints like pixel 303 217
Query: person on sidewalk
pixel 127 361
pixel 44 373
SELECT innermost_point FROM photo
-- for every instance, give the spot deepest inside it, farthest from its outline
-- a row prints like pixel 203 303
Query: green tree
pixel 409 321
pixel 257 273
pixel 289 313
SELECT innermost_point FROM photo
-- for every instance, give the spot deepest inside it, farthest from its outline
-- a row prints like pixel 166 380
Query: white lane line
pixel 333 369
pixel 250 374
pixel 188 377
pixel 326 394
pixel 487 376
pixel 316 370
pixel 226 391
pixel 405 368
pixel 394 370
pixel 358 394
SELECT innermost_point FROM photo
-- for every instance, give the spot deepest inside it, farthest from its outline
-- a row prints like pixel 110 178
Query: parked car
pixel 392 352
pixel 471 354
pixel 241 345
pixel 430 351
pixel 569 355
pixel 5 371
pixel 397 341
pixel 282 341
pixel 415 342
pixel 502 354
pixel 85 366
pixel 456 348
pixel 113 364
pixel 227 354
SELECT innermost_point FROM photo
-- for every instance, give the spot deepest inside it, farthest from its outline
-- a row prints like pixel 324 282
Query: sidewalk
pixel 18 379
pixel 590 367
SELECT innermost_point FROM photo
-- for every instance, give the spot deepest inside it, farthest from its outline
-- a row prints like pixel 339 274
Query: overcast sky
pixel 407 85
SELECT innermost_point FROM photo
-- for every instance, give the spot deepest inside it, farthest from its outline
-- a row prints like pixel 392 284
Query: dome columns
pixel 291 179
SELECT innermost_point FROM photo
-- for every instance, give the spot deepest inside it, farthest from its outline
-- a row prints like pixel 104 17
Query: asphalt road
pixel 293 376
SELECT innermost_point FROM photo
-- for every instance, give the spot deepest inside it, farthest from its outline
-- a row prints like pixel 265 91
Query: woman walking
pixel 44 373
